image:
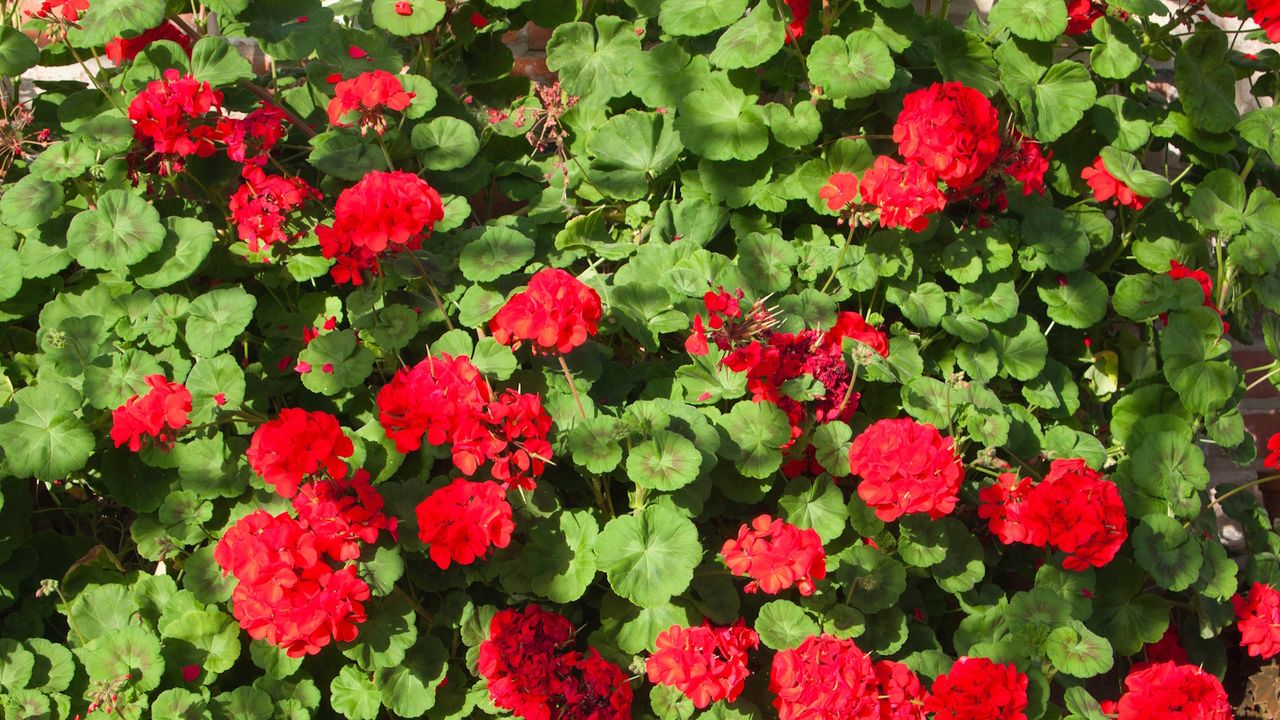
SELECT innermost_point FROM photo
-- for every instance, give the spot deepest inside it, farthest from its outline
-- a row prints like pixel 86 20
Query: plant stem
pixel 564 367
pixel 1262 379
pixel 848 239
pixel 417 606
pixel 1233 491
pixel 434 295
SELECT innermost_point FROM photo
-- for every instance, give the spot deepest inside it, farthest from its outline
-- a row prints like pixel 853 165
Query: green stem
pixel 573 388
pixel 1233 491
pixel 1262 379
pixel 430 286
pixel 422 612
pixel 848 239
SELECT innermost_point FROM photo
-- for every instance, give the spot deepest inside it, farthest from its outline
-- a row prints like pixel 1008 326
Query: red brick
pixel 538 36
pixel 534 68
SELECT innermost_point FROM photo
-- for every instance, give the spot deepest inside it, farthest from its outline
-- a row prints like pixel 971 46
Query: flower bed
pixel 808 360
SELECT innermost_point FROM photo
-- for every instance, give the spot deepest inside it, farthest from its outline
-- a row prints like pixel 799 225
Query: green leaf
pixel 216 319
pixel 187 243
pixel 62 160
pixel 54 667
pixel 630 150
pixel 1078 651
pixel 29 202
pixel 1077 299
pixel 107 19
pixel 559 555
pixel 208 638
pixel 1167 551
pixel 667 461
pixel 717 122
pixel 1055 239
pixel 1054 99
pixel 963 566
pixel 180 704
pixel 795 128
pixel 751 41
pixel 594 64
pixel 387 635
pixel 1042 20
pixel 217 62
pixel 345 155
pixel 16 665
pixel 698 17
pixel 445 143
pixel 212 376
pixel 921 541
pixel 850 68
pixel 497 252
pixel 1124 613
pixel 783 625
pixel 767 260
pixel 1261 128
pixel 338 361
pixel 121 231
pixel 1206 82
pixel 18 53
pixel 754 433
pixel 831 443
pixel 649 558
pixel 873 580
pixel 922 304
pixel 1021 347
pixel 1126 168
pixel 422 16
pixel 243 703
pixel 354 695
pixel 45 439
pixel 1118 53
pixel 816 504
pixel 130 650
pixel 1188 347
pixel 594 443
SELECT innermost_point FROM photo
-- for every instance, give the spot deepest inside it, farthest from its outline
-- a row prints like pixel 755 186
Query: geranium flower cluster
pixel 60 10
pixel 1106 186
pixel 121 50
pixel 1259 620
pixel 826 678
pixel 1158 691
pixel 174 118
pixel 460 521
pixel 978 689
pixel 251 139
pixel 557 312
pixel 706 663
pixel 298 445
pixel 1266 13
pixel 383 212
pixel 265 208
pixel 946 133
pixel 157 415
pixel 343 513
pixel 776 555
pixel 445 400
pixel 906 467
pixel 531 670
pixel 1074 509
pixel 364 98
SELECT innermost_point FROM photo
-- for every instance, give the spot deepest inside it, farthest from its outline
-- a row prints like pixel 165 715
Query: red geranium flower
pixel 1167 648
pixel 906 467
pixel 519 659
pixel 556 311
pixel 904 194
pixel 384 212
pixel 1028 165
pixel 978 689
pixel 264 205
pixel 799 14
pixel 170 119
pixel 364 97
pixel 298 445
pixel 1178 271
pixel 951 130
pixel 901 696
pixel 69 10
pixel 251 138
pixel 1081 14
pixel 853 325
pixel 342 514
pixel 158 415
pixel 776 555
pixel 440 399
pixel 824 678
pixel 841 189
pixel 1156 691
pixel 1106 187
pixel 121 50
pixel 1002 505
pixel 1266 13
pixel 462 520
pixel 591 688
pixel 1259 624
pixel 1273 458
pixel 706 663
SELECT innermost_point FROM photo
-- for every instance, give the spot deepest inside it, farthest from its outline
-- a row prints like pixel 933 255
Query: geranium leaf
pixel 215 61
pixel 1117 54
pixel 650 557
pixel 754 434
pixel 698 17
pixel 852 67
pixel 216 319
pixel 717 122
pixel 107 19
pixel 1206 82
pixel 121 231
pixel 783 624
pixel 45 438
pixel 559 555
pixel 630 150
pixel 816 504
pixel 409 689
pixel 414 17
pixel 1167 551
pixel 593 63
pixel 495 252
pixel 750 41
pixel 338 361
pixel 667 461
pixel 187 243
pixel 873 581
pixel 1042 20
pixel 445 143
pixel 595 445
pixel 128 650
pixel 1077 299
pixel 18 53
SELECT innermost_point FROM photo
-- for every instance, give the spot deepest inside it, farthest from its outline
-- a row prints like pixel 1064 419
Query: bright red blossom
pixel 799 14
pixel 906 467
pixel 592 688
pixel 1081 14
pixel 840 191
pixel 556 312
pixel 824 678
pixel 265 205
pixel 171 119
pixel 363 99
pixel 343 514
pixel 1272 460
pixel 978 689
pixel 251 139
pixel 951 130
pixel 1172 691
pixel 1178 271
pixel 298 445
pixel 1167 648
pixel 157 415
pixel 705 663
pixel 776 555
pixel 1106 187
pixel 1266 13
pixel 904 194
pixel 1074 509
pixel 901 696
pixel 1028 164
pixel 1259 620
pixel 462 520
pixel 120 50
pixel 383 212
pixel 69 10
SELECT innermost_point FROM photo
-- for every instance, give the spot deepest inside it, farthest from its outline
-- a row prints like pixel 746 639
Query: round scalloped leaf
pixel 594 444
pixel 852 67
pixel 216 319
pixel 1126 168
pixel 1165 549
pixel 107 19
pixel 698 17
pixel 559 555
pixel 873 581
pixel 783 625
pixel 202 575
pixel 405 18
pixel 751 41
pixel 207 638
pixel 16 665
pixel 129 650
pixel 497 251
pixel 594 63
pixel 831 443
pixel 445 143
pixel 631 149
pixel 274 661
pixel 18 53
pixel 754 433
pixel 122 230
pixel 210 378
pixel 815 504
pixel 667 461
pixel 243 703
pixel 180 704
pixel 354 695
pixel 1042 20
pixel 649 558
pixel 29 202
pixel 216 61
pixel 45 438
pixel 717 122
pixel 62 160
pixel 54 667
pixel 1078 651
pixel 1077 299
pixel 385 637
pixel 338 362
pixel 1118 53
